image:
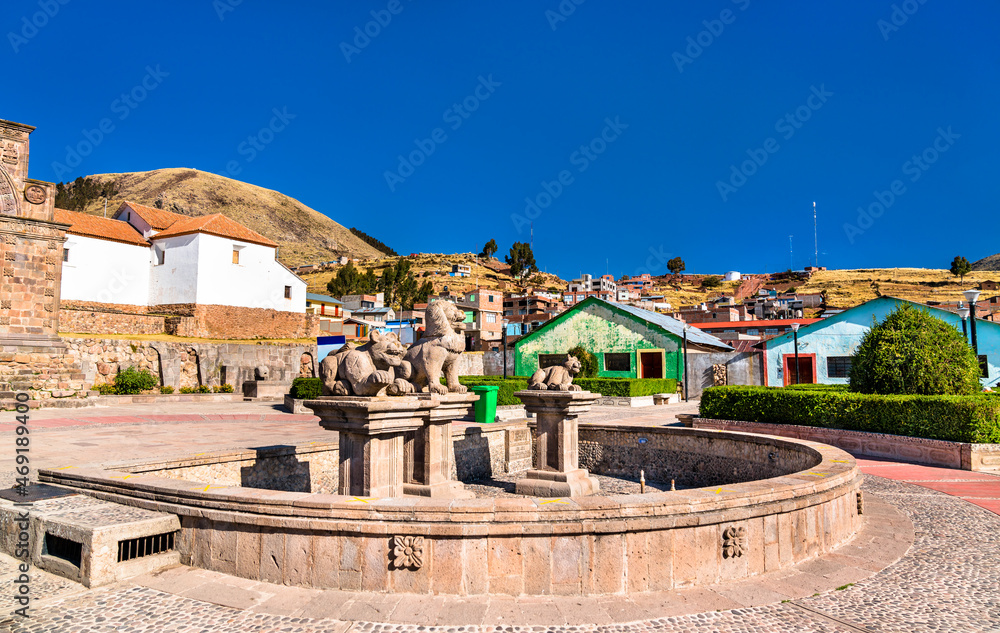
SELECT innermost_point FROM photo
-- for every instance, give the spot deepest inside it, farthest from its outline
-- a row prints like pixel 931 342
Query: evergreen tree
pixel 960 267
pixel 521 261
pixel 490 248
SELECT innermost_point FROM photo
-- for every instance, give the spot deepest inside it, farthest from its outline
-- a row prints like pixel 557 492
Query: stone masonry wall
pixel 229 322
pixel 101 322
pixel 187 364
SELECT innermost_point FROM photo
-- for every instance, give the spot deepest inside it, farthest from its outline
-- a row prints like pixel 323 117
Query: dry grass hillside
pixel 846 288
pixel 304 235
pixel 435 268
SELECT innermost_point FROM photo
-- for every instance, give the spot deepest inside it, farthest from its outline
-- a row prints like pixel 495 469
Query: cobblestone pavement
pixel 947 582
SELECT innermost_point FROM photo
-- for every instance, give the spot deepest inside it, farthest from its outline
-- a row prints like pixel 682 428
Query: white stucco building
pixel 157 259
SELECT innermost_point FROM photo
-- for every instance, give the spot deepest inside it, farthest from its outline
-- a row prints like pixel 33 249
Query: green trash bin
pixel 486 406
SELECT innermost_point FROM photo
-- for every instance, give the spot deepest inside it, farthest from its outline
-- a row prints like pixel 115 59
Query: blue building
pixel 826 346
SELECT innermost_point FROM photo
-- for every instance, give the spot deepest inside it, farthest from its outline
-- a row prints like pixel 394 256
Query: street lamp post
pixel 971 296
pixel 504 351
pixel 686 328
pixel 795 336
pixel 963 313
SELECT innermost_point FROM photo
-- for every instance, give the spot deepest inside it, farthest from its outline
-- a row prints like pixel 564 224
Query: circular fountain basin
pixel 805 502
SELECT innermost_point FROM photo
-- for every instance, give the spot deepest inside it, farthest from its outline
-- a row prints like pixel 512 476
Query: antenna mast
pixel 815 236
pixel 790 266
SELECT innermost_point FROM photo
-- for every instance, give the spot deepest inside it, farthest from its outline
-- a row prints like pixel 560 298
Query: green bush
pixel 104 389
pixel 167 389
pixel 912 352
pixel 203 389
pixel 306 388
pixel 588 362
pixel 811 387
pixel 187 389
pixel 627 387
pixel 131 381
pixel 226 388
pixel 973 418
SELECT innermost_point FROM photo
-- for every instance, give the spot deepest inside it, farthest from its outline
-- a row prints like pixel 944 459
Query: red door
pixel 807 374
pixel 651 364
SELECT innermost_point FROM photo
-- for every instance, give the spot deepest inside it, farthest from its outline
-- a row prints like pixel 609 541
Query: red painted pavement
pixel 981 489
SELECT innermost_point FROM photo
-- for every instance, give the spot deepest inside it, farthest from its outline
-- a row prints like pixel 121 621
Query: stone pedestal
pixel 558 473
pixel 391 446
pixel 271 389
pixel 372 435
pixel 428 451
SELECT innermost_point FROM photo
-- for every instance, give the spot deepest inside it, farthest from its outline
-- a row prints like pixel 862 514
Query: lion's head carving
pixel 444 318
pixel 385 349
pixel 572 365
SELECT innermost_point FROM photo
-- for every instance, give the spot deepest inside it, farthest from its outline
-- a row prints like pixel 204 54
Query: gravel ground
pixel 949 582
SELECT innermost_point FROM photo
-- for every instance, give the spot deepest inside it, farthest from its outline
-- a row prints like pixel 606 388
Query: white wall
pixel 105 272
pixel 258 281
pixel 176 281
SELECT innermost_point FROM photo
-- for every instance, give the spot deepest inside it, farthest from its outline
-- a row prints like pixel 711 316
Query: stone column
pixel 558 473
pixel 429 455
pixel 372 432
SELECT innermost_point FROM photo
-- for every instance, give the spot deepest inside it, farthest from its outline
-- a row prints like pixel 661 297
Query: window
pixel 65 254
pixel 236 256
pixel 550 360
pixel 489 298
pixel 288 292
pixel 161 255
pixel 618 362
pixel 753 332
pixel 491 317
pixel 984 366
pixel 838 366
pixel 771 331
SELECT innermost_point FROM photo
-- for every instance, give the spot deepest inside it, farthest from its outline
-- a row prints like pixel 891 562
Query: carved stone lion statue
pixel 261 372
pixel 372 369
pixel 439 349
pixel 557 377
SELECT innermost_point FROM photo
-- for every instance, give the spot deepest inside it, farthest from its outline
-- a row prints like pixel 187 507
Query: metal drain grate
pixel 145 546
pixel 64 549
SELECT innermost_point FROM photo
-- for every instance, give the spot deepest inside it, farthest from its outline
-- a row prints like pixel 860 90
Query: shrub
pixel 912 352
pixel 974 418
pixel 226 388
pixel 815 387
pixel 203 389
pixel 588 362
pixel 166 389
pixel 711 281
pixel 104 389
pixel 131 381
pixel 306 388
pixel 627 387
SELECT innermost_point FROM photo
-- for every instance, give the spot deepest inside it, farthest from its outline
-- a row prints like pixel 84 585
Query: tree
pixel 350 281
pixel 490 248
pixel 711 281
pixel 912 352
pixel 960 267
pixel 675 265
pixel 588 362
pixel 521 261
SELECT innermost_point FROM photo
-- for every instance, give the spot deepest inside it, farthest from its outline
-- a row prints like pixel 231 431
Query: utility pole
pixel 790 266
pixel 815 238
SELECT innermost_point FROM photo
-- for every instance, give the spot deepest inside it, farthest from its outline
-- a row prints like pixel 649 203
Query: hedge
pixel 508 386
pixel 973 419
pixel 816 387
pixel 627 387
pixel 306 388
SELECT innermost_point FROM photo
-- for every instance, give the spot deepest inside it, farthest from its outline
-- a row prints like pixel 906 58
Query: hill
pixel 434 267
pixel 303 234
pixel 987 263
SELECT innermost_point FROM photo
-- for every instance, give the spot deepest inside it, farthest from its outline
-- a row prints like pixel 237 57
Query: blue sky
pixel 639 130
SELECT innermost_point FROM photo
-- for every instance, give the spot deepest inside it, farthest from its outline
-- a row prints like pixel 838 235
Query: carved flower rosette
pixel 734 541
pixel 407 552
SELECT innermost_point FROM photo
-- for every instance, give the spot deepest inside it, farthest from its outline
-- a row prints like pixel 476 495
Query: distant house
pixel 628 342
pixel 330 312
pixel 826 346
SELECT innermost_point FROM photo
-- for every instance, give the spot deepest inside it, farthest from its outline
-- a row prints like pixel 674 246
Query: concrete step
pixel 96 542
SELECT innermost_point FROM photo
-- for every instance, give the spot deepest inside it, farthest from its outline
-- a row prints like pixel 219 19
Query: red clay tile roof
pixel 156 218
pixel 214 224
pixel 100 228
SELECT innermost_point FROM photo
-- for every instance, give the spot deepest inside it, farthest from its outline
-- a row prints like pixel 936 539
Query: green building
pixel 628 342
